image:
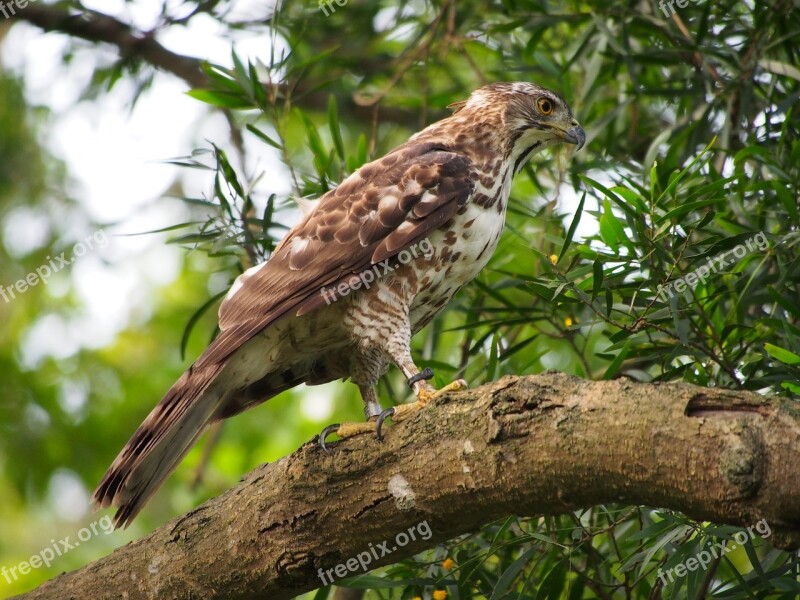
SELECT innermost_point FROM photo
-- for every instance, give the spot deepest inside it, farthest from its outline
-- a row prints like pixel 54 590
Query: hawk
pixel 422 221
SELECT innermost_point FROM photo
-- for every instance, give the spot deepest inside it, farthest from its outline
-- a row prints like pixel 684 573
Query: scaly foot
pixel 425 393
pixel 424 396
pixel 345 430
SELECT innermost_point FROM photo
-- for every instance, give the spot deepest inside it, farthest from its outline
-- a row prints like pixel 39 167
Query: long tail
pixel 160 442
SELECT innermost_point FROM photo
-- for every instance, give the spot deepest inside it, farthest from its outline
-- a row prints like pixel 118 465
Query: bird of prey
pixel 423 221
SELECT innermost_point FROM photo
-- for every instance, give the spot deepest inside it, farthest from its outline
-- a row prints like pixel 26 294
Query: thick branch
pixel 97 27
pixel 535 445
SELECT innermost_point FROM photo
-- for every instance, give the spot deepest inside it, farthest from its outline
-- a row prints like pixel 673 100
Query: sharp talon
pixel 426 373
pixel 325 433
pixel 389 412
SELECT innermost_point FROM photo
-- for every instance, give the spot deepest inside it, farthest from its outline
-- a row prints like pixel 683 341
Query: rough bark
pixel 534 445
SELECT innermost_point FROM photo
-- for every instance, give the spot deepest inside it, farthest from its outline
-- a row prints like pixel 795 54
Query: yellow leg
pixel 346 430
pixel 425 393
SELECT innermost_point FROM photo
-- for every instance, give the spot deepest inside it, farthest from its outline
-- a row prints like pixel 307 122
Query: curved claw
pixel 325 433
pixel 385 414
pixel 425 374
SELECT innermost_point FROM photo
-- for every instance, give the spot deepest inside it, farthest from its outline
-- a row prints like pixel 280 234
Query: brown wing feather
pixel 381 209
pixel 384 207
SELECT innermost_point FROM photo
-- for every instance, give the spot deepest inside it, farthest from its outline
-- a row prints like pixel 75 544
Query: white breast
pixel 460 254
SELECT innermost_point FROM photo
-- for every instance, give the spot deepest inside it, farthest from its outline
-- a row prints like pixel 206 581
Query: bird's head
pixel 530 117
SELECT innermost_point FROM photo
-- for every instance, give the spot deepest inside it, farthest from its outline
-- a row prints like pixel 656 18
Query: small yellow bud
pixel 439 595
pixel 568 321
pixel 448 564
pixel 553 259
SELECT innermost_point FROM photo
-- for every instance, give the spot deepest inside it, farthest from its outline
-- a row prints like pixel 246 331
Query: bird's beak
pixel 575 135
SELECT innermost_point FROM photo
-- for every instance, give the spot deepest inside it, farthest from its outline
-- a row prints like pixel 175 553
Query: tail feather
pixel 160 442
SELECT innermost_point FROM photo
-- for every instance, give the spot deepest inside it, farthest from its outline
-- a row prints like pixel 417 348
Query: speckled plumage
pixel 445 189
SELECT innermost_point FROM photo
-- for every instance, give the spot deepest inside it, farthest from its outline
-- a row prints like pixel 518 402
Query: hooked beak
pixel 575 135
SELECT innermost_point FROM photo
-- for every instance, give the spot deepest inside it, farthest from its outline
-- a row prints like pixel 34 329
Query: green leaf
pixel 615 365
pixel 195 318
pixel 573 226
pixel 321 159
pixel 686 208
pixel 597 281
pixel 610 195
pixel 788 199
pixel 194 238
pixel 258 88
pixel 511 573
pixel 263 136
pixel 491 367
pixel 360 158
pixel 221 99
pixel 653 180
pixel 630 196
pixel 160 230
pixel 674 183
pixel 323 593
pixel 791 386
pixel 228 172
pixel 707 218
pixel 333 125
pixel 222 78
pixel 552 585
pixel 239 72
pixel 611 229
pixel 781 354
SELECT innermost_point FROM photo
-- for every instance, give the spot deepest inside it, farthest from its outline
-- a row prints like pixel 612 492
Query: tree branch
pixel 544 444
pixel 97 27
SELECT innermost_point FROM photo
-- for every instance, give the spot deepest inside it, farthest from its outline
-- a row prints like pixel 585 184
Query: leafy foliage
pixel 689 273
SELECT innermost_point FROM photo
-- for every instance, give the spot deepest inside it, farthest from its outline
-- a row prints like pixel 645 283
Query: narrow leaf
pixel 573 226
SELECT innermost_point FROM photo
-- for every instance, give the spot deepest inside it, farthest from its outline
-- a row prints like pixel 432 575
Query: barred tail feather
pixel 160 442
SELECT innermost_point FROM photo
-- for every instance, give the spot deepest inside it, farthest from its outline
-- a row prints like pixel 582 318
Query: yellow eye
pixel 545 106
